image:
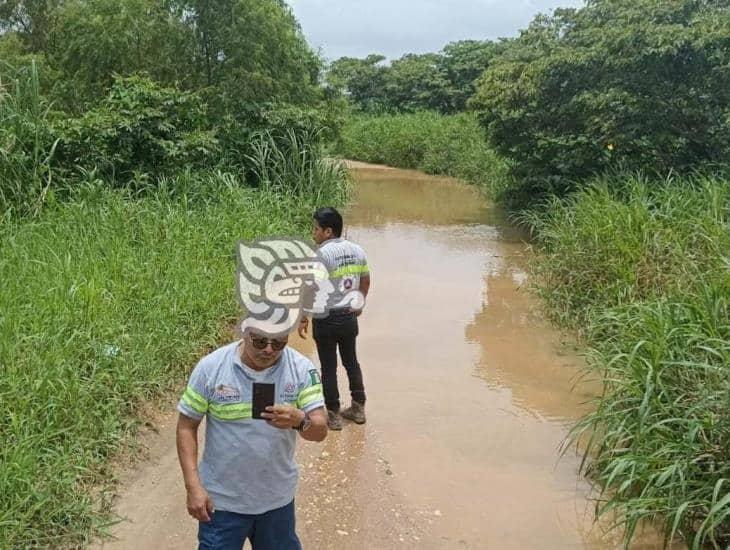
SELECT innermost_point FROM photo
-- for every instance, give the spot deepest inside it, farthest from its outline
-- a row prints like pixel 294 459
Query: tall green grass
pixel 26 144
pixel 627 239
pixel 427 141
pixel 293 164
pixel 106 301
pixel 642 269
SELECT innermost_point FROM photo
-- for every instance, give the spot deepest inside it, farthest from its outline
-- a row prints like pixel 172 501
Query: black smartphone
pixel 263 396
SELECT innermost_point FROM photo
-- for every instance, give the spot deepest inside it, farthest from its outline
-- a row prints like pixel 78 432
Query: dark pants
pixel 330 334
pixel 273 530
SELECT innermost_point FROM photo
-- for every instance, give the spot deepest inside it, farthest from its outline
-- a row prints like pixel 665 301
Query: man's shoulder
pixel 298 361
pixel 344 244
pixel 218 358
pixel 356 248
pixel 354 245
pixel 360 250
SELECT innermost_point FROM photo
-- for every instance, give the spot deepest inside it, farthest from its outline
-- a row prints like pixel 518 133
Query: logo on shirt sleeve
pixel 314 376
pixel 226 393
pixel 290 393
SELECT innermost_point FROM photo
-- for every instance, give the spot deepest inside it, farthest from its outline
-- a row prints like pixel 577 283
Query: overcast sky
pixel 356 28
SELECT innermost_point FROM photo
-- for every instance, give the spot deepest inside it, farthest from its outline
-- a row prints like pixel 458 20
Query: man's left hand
pixel 303 325
pixel 284 417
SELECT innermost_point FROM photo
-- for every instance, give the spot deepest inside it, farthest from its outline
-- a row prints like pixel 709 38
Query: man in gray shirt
pixel 247 478
pixel 348 271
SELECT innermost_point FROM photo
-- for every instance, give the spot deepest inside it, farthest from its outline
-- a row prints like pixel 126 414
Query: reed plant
pixel 292 163
pixel 26 143
pixel 659 438
pixel 628 238
pixel 641 269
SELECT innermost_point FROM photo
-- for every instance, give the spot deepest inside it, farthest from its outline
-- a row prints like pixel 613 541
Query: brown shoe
pixel 356 413
pixel 334 422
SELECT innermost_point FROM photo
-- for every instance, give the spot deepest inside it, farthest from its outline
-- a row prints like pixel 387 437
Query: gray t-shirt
pixel 346 263
pixel 248 466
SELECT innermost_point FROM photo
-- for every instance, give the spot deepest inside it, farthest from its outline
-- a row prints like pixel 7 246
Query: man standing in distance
pixel 348 271
pixel 247 479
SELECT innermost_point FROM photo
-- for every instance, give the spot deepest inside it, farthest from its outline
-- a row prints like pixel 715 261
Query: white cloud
pixel 394 27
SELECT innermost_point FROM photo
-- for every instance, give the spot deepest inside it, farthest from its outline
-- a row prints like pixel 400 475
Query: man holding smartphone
pixel 348 271
pixel 255 394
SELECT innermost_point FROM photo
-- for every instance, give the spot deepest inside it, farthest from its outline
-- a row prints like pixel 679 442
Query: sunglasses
pixel 261 343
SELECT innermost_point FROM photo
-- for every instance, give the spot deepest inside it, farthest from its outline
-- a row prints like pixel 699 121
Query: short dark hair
pixel 329 218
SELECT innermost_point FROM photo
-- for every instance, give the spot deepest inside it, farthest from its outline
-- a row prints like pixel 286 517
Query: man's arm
pixel 303 326
pixel 364 288
pixel 318 429
pixel 365 285
pixel 199 504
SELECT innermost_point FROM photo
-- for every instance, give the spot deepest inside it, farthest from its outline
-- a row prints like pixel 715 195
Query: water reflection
pixel 520 352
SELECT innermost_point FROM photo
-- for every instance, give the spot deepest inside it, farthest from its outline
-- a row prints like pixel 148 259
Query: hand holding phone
pixel 263 396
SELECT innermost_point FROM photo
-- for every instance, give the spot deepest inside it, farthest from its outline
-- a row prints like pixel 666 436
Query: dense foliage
pixel 641 85
pixel 442 82
pixel 176 84
pixel 139 127
pixel 249 50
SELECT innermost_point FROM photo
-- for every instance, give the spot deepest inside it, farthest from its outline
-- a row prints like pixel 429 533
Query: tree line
pixel 245 50
pixel 442 81
pixel 640 85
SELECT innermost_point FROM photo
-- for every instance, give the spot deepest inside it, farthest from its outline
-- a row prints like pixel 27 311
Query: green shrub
pixel 437 144
pixel 140 127
pixel 243 122
pixel 16 59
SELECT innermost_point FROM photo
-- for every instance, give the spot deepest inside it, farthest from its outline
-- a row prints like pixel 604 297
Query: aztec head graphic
pixel 280 280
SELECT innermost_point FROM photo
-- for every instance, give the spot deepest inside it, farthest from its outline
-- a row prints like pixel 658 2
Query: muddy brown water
pixel 470 395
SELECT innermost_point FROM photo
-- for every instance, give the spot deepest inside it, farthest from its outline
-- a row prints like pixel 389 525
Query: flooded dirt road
pixel 469 397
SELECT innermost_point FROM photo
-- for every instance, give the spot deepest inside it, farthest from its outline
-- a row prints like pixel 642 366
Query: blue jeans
pixel 272 530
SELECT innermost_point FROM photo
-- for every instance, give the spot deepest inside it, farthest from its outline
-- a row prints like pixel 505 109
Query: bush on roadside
pixel 641 269
pixel 640 84
pixel 139 128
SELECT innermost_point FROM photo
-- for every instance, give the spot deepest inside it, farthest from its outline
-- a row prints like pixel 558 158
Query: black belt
pixel 341 312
